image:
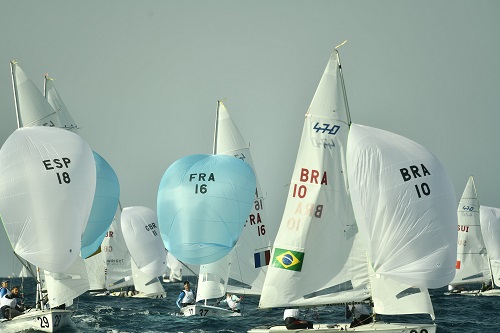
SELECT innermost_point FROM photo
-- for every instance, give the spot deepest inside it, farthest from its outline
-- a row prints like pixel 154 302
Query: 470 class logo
pixel 327 128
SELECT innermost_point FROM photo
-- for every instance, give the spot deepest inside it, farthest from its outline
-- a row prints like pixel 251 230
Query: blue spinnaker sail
pixel 107 194
pixel 203 202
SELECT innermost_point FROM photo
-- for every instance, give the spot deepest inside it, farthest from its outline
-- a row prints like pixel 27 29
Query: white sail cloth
pixel 490 227
pixel 140 230
pixel 47 185
pixel 317 255
pixel 404 203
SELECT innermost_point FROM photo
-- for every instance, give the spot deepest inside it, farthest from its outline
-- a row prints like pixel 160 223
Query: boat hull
pixel 132 294
pixel 378 327
pixel 39 320
pixel 492 292
pixel 207 311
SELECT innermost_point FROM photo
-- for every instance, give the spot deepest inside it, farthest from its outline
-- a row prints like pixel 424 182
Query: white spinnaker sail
pixel 404 203
pixel 251 254
pixel 64 287
pixel 213 278
pixel 140 230
pixel 145 283
pixel 47 184
pixel 472 264
pixel 63 116
pixel 317 258
pixel 118 268
pixel 490 227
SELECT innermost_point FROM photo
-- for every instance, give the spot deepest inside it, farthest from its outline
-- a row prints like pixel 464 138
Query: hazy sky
pixel 142 79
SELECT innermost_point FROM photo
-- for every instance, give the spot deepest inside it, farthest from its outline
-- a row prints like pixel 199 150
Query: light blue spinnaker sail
pixel 203 202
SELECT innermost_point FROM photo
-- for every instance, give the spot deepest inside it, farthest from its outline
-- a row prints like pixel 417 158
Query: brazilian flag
pixel 287 259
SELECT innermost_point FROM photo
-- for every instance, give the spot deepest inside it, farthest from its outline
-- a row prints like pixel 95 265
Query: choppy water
pixel 457 314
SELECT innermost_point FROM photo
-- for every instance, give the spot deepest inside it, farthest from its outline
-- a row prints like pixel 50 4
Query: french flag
pixel 262 258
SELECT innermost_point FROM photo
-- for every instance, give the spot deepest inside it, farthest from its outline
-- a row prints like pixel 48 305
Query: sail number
pixel 59 163
pixel 45 323
pixel 201 177
pixel 327 129
pixel 415 171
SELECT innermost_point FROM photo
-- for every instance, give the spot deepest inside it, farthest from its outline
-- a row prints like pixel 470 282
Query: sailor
pixel 292 321
pixel 5 288
pixel 360 314
pixel 186 297
pixel 232 301
pixel 11 304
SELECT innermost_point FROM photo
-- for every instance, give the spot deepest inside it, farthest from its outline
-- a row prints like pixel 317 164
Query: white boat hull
pixel 377 327
pixel 39 320
pixel 150 295
pixel 132 294
pixel 207 311
pixel 492 292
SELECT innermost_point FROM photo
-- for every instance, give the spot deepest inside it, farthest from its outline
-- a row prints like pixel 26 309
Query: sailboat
pixel 370 217
pixel 490 227
pixel 122 277
pixel 118 263
pixel 244 268
pixel 35 109
pixel 140 231
pixel 472 263
pixel 47 185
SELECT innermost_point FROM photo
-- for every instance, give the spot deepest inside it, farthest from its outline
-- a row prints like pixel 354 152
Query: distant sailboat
pixel 472 263
pixel 142 236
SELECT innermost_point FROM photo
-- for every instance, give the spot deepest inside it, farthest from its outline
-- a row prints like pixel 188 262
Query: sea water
pixel 454 314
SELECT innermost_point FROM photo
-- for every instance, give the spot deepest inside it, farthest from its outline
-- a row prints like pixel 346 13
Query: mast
pixel 16 97
pixel 216 127
pixel 343 84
